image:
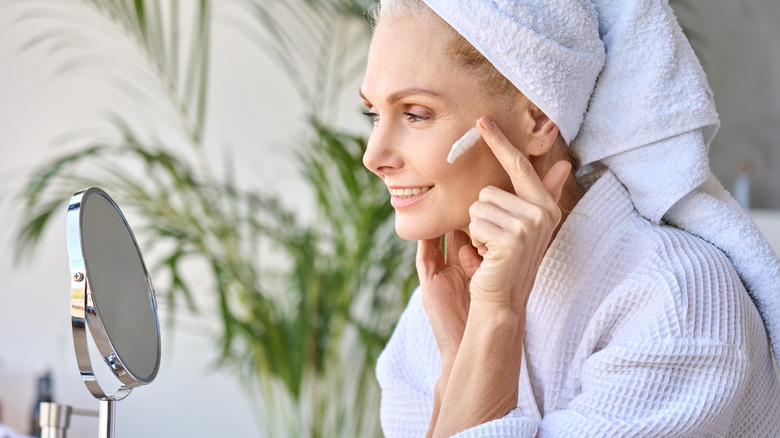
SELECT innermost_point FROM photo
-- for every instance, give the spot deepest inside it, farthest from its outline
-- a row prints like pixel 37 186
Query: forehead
pixel 409 51
pixel 426 30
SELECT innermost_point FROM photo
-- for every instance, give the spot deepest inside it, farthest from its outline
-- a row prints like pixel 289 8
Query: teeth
pixel 405 193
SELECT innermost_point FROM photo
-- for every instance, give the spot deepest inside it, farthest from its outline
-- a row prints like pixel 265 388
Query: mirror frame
pixel 85 312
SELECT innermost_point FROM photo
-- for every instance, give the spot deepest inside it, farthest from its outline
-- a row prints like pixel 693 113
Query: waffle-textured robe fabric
pixel 633 329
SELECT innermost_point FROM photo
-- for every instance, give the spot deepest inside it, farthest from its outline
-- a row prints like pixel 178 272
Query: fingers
pixel 521 172
pixel 429 257
pixel 500 220
pixel 524 178
pixel 510 212
pixel 556 178
pixel 469 260
pixel 453 242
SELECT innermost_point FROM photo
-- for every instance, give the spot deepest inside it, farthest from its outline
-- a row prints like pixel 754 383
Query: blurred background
pixel 230 134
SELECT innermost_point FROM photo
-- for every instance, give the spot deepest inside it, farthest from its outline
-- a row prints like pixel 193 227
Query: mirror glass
pixel 121 291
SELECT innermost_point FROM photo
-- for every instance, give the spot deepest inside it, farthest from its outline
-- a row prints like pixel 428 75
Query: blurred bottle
pixel 742 188
pixel 43 395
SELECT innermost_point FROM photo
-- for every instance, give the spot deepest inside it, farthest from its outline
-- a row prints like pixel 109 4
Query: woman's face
pixel 421 103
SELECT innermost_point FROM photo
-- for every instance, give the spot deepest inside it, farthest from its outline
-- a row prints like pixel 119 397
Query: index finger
pixel 524 178
pixel 453 242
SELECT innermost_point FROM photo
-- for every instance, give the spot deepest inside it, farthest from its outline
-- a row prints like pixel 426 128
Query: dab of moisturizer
pixel 465 143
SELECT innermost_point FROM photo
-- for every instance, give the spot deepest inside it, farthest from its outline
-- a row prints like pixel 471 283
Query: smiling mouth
pixel 409 192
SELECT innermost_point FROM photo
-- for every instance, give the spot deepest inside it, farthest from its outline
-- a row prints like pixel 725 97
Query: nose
pixel 381 156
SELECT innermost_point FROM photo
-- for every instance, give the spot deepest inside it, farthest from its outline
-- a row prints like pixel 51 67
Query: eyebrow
pixel 398 95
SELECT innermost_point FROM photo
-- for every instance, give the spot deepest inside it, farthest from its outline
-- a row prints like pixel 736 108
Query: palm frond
pixel 320 44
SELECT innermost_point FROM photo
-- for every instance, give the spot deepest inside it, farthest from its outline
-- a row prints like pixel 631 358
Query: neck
pixel 570 196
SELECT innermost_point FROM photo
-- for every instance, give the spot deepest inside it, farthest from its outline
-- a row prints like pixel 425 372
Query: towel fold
pixel 651 117
pixel 626 90
pixel 711 213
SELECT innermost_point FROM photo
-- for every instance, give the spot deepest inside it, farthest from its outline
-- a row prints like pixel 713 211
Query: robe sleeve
pixel 686 388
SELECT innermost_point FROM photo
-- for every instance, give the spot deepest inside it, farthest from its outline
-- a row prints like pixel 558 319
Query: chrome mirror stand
pixel 113 309
pixel 54 419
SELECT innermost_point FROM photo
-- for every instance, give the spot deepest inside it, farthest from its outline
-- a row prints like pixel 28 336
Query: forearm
pixel 438 394
pixel 483 383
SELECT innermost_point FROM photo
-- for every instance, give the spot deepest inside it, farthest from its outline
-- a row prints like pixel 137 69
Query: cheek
pixel 480 169
pixel 429 160
pixel 460 183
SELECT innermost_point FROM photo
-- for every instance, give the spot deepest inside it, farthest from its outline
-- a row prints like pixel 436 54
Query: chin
pixel 411 235
pixel 418 230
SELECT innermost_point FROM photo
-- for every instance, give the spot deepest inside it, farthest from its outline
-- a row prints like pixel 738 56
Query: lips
pixel 402 197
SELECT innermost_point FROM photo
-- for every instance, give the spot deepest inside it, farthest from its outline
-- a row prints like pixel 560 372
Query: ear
pixel 542 132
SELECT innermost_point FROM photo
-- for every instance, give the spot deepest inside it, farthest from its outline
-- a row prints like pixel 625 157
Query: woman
pixel 560 306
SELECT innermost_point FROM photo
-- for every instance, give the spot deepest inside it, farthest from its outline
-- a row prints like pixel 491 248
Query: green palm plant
pixel 320 44
pixel 307 330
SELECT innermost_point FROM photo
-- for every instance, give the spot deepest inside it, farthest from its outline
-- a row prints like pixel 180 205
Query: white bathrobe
pixel 633 329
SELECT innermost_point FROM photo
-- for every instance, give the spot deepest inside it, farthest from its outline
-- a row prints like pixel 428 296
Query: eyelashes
pixel 410 117
pixel 374 117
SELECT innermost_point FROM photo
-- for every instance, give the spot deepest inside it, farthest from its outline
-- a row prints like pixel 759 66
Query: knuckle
pixel 487 193
pixel 544 216
pixel 555 215
pixel 521 164
pixel 473 229
pixel 474 209
pixel 503 142
pixel 552 211
pixel 517 229
pixel 538 217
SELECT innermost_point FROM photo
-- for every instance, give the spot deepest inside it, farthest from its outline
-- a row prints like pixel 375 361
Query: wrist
pixel 495 333
pixel 486 370
pixel 504 304
pixel 490 316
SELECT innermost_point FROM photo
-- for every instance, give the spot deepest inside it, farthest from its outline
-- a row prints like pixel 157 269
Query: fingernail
pixel 486 123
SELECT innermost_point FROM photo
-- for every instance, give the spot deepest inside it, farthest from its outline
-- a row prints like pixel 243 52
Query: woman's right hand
pixel 483 340
pixel 444 284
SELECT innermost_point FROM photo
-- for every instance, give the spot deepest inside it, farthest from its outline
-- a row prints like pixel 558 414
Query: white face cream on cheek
pixel 465 143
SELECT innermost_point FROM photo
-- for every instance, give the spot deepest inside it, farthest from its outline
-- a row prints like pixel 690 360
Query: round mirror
pixel 111 295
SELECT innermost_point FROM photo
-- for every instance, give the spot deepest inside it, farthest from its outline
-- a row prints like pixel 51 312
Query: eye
pixel 412 117
pixel 374 117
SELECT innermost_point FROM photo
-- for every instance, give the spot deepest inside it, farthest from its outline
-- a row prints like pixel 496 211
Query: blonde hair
pixel 459 48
